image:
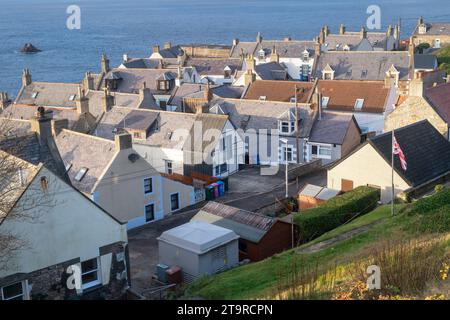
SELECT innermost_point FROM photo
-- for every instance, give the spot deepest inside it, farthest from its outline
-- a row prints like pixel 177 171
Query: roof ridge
pixel 57 83
pixel 86 135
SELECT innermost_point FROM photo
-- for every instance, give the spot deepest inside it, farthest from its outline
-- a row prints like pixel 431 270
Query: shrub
pixel 338 210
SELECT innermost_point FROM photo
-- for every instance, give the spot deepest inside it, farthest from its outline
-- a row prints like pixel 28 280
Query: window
pixel 34 95
pixel 224 144
pixel 325 101
pixel 263 98
pixel 72 97
pixel 14 291
pixel 169 167
pixel 80 175
pixel 292 100
pixel 285 127
pixel 148 185
pixel 90 273
pixel 359 104
pixel 323 152
pixel 163 104
pixel 223 168
pixel 163 85
pixel 262 54
pixel 149 212
pixel 174 202
pixel 137 135
pixel 289 154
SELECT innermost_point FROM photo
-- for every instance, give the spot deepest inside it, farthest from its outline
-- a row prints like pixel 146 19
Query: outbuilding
pixel 199 249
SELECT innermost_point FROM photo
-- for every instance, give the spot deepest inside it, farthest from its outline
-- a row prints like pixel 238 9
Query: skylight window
pixel 72 97
pixel 359 104
pixel 325 101
pixel 68 166
pixel 34 95
pixel 80 175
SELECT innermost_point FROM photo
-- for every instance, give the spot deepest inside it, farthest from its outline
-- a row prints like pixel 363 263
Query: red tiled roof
pixel 343 94
pixel 281 91
pixel 439 96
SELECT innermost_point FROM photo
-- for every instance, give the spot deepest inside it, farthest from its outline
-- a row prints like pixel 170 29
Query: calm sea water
pixel 133 26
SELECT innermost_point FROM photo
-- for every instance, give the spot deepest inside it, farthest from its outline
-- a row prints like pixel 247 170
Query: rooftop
pixel 282 91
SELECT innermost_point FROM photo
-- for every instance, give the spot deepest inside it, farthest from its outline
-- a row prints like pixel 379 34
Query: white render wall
pixel 72 228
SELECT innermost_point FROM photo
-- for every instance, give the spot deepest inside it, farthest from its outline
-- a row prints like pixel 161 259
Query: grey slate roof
pixel 84 151
pixel 49 94
pixel 28 147
pixel 425 61
pixel 133 79
pixel 375 40
pixel 437 28
pixel 332 129
pixel 287 49
pixel 358 65
pixel 248 225
pixel 252 114
pixel 271 71
pixel 213 66
pixel 141 63
pixel 427 152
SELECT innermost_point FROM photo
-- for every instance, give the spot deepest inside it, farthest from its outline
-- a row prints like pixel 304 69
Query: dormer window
pixel 227 72
pixel 287 127
pixel 163 85
pixel 34 95
pixel 262 54
pixel 423 28
pixel 325 101
pixel 359 104
pixel 328 73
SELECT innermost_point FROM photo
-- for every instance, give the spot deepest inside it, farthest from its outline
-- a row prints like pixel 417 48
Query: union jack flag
pixel 398 151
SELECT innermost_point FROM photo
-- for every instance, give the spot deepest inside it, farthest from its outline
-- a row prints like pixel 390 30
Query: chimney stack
pixel 420 21
pixel 145 95
pixel 125 58
pixel 105 64
pixel 274 56
pixel 317 48
pixel 327 30
pixel 41 124
pixel 363 33
pixel 287 39
pixel 416 86
pixel 156 49
pixel 123 141
pixel 259 37
pixel 235 42
pixel 58 125
pixel 88 82
pixel 4 100
pixel 82 102
pixel 322 36
pixel 389 31
pixel 208 95
pixel 250 62
pixel 108 100
pixel 167 45
pixel 342 29
pixel 249 77
pixel 26 78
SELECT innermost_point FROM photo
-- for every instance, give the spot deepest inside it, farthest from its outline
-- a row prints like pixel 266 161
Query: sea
pixel 116 27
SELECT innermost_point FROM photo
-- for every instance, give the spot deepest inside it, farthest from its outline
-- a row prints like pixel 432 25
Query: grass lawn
pixel 429 216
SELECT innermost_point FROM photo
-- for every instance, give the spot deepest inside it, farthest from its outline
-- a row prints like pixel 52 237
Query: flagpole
pixel 392 173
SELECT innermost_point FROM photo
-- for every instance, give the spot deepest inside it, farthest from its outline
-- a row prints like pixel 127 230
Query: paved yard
pixel 143 248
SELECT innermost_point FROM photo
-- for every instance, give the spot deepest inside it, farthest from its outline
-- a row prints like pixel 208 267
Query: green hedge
pixel 314 222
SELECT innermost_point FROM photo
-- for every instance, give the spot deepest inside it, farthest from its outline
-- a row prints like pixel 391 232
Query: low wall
pixel 299 170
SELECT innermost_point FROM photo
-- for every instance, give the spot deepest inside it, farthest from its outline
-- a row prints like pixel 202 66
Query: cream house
pixel 47 226
pixel 427 154
pixel 122 182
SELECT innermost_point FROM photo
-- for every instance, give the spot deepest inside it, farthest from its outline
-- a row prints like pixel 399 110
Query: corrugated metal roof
pixel 248 225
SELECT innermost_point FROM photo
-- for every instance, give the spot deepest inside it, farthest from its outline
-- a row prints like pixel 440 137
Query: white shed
pixel 199 248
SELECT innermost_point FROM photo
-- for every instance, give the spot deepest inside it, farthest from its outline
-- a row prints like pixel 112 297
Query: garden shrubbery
pixel 316 221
